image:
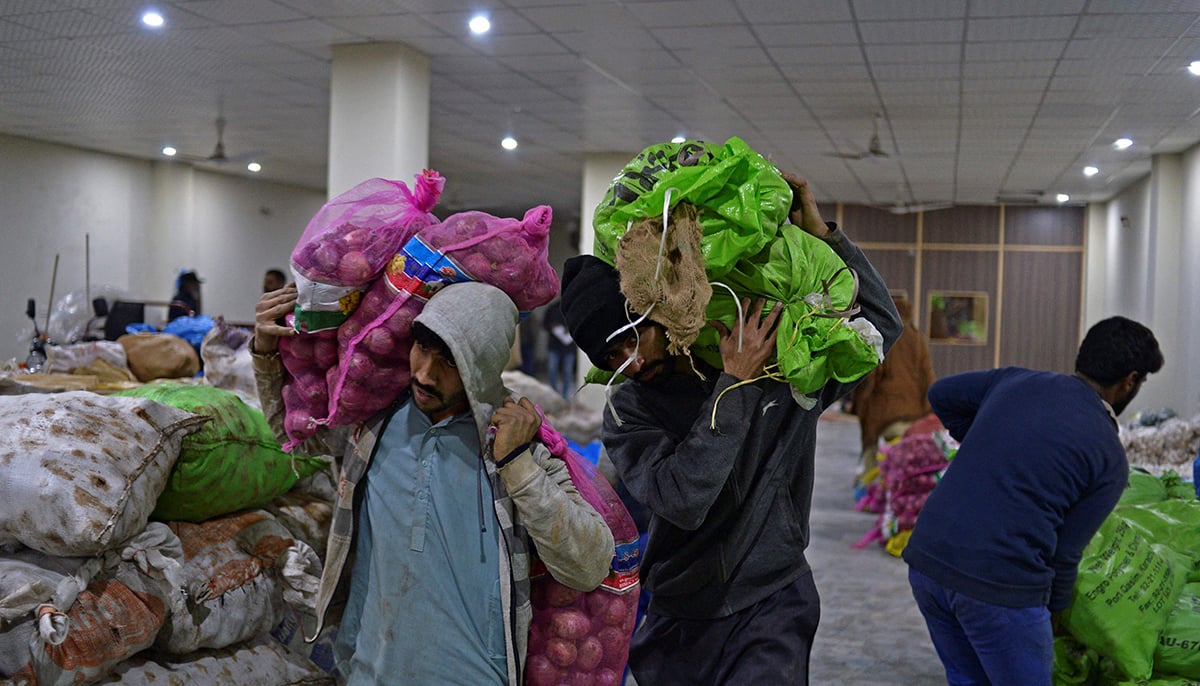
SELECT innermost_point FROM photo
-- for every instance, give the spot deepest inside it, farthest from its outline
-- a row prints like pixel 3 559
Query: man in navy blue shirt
pixel 994 553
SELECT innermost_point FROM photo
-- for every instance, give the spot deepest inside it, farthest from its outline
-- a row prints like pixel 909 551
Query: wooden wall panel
pixel 871 225
pixel 1040 312
pixel 898 269
pixel 965 224
pixel 1043 226
pixel 961 270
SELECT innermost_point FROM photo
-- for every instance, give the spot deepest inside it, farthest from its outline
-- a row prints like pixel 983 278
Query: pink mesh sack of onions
pixel 374 342
pixel 306 356
pixel 350 239
pixel 583 638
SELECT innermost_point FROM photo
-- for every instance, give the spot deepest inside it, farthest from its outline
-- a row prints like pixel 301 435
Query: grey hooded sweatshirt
pixel 533 497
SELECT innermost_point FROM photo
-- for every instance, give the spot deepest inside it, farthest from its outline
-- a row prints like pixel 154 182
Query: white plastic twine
pixel 737 302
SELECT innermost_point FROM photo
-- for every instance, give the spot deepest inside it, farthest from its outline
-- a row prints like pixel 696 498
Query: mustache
pixel 427 390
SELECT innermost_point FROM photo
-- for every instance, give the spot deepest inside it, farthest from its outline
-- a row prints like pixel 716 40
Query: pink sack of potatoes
pixel 583 638
pixel 306 357
pixel 375 341
pixel 349 241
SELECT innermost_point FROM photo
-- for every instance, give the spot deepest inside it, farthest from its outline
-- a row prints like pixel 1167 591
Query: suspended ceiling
pixel 973 100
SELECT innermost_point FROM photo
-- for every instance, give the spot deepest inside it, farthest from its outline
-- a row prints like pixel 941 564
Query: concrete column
pixel 1165 318
pixel 599 169
pixel 378 114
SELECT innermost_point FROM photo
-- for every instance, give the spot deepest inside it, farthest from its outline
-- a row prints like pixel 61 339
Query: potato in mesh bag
pixel 81 472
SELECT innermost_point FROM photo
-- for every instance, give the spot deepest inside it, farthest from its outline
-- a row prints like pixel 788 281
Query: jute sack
pixel 81 472
pixel 667 275
pixel 159 356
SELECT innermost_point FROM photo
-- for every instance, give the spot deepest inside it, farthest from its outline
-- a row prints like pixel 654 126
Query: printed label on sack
pixel 422 271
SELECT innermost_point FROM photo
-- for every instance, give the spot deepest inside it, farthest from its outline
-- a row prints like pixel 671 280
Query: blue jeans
pixel 983 644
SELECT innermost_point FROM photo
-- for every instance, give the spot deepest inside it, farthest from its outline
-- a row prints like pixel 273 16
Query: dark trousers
pixel 767 644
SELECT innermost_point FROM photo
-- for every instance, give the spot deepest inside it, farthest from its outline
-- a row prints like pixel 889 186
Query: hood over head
pixel 478 322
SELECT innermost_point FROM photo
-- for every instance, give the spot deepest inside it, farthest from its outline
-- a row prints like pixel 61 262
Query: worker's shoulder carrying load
pixel 683 218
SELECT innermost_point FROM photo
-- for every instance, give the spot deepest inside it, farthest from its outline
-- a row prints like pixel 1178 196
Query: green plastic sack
pixel 1143 488
pixel 741 196
pixel 1173 523
pixel 1074 664
pixel 1178 488
pixel 232 463
pixel 814 341
pixel 1178 652
pixel 1126 587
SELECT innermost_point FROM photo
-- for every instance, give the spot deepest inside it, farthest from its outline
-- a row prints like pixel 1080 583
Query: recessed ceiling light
pixel 1062 197
pixel 152 19
pixel 480 24
pixel 509 143
pixel 678 139
pixel 1122 143
pixel 169 151
pixel 1090 171
pixel 254 167
pixel 1194 67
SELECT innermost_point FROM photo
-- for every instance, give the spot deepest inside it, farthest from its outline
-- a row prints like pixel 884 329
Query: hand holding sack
pixel 374 343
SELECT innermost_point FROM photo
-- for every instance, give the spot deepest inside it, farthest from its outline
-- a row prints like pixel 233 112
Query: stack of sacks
pixel 1135 611
pixel 88 580
pixel 1168 445
pixel 909 471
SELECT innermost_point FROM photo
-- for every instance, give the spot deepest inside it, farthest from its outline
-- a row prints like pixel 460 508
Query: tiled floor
pixel 871 633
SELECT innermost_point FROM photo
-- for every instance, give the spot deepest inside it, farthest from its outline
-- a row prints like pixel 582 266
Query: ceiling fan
pixel 914 207
pixel 218 155
pixel 874 149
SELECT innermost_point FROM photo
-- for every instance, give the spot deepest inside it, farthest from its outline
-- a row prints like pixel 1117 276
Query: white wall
pixel 144 221
pixel 1143 252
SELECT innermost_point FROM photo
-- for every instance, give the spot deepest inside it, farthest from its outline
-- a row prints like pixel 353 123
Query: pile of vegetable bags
pixel 351 359
pixel 745 248
pixel 1135 611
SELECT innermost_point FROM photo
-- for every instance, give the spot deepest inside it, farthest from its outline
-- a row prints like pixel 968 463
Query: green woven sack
pixel 814 341
pixel 1127 586
pixel 232 463
pixel 741 197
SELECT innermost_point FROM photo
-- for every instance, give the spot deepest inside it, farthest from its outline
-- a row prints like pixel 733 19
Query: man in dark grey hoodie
pixel 732 596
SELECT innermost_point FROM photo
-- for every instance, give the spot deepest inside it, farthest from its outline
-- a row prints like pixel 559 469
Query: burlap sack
pixel 677 286
pixel 261 661
pixel 159 356
pixel 80 472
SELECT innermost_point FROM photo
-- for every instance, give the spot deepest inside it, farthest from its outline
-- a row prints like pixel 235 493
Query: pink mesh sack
pixel 375 341
pixel 349 241
pixel 576 637
pixel 306 356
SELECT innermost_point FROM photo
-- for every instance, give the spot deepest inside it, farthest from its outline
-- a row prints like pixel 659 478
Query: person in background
pixel 994 554
pixel 892 396
pixel 732 598
pixel 444 497
pixel 273 280
pixel 560 351
pixel 186 301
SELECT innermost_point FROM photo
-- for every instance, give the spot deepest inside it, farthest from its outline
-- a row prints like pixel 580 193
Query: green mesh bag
pixel 232 462
pixel 741 197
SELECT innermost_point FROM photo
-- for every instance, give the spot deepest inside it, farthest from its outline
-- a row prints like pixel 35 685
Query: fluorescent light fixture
pixel 169 151
pixel 509 143
pixel 152 19
pixel 1062 197
pixel 1194 67
pixel 1122 143
pixel 254 167
pixel 1090 171
pixel 678 139
pixel 479 24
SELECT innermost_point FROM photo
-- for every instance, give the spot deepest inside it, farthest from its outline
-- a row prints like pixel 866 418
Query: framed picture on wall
pixel 959 317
